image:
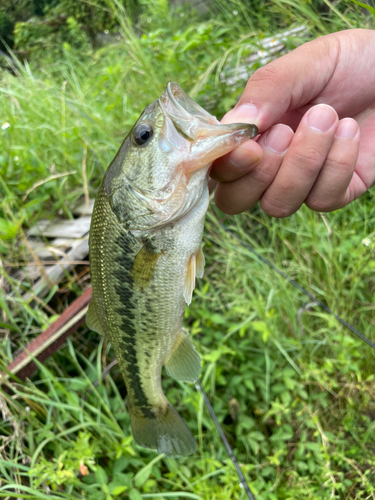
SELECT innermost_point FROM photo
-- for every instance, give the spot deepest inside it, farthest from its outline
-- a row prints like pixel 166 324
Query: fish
pixel 145 255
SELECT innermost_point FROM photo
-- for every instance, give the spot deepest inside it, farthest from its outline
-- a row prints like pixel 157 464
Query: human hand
pixel 325 92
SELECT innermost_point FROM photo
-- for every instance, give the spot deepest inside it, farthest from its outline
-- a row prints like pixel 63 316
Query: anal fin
pixel 184 363
pixel 92 320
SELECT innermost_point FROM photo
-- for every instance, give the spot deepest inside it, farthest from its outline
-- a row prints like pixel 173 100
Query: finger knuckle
pixel 264 176
pixel 319 204
pixel 276 208
pixel 307 159
pixel 326 204
pixel 340 163
pixel 267 74
pixel 217 177
pixel 225 206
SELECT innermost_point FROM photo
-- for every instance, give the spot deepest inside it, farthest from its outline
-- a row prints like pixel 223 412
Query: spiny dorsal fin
pixel 190 279
pixel 144 266
pixel 184 363
pixel 92 320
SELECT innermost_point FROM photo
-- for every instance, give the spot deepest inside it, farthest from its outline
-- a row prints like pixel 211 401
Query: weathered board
pixel 55 247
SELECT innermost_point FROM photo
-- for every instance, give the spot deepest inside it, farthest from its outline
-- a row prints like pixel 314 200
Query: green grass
pixel 304 384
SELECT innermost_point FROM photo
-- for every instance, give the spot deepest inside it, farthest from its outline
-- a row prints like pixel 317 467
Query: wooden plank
pixel 53 250
pixel 83 209
pixel 55 273
pixel 62 228
pixel 41 225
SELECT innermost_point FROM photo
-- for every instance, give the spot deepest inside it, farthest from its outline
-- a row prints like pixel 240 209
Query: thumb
pixel 287 83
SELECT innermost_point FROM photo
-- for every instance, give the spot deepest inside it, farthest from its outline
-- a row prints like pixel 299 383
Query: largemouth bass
pixel 145 253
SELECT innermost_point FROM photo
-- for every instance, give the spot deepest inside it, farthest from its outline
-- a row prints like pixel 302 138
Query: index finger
pixel 286 84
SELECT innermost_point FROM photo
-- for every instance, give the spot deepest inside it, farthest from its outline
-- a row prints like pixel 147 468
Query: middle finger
pixel 240 194
pixel 302 162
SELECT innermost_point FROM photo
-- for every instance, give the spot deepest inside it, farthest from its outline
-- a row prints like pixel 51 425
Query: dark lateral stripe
pixel 124 290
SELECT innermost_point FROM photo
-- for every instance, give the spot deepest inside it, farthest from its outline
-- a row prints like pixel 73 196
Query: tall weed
pixel 302 385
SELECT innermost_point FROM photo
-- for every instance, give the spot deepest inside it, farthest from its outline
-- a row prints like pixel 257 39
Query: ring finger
pixel 330 190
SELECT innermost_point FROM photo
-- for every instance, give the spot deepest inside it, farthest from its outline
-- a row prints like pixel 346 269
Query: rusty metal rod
pixel 48 342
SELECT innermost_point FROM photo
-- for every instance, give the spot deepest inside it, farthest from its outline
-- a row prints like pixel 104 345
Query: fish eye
pixel 143 133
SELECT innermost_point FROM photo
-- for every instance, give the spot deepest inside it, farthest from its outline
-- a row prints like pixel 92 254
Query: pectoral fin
pixel 190 279
pixel 194 269
pixel 92 320
pixel 144 266
pixel 200 263
pixel 184 363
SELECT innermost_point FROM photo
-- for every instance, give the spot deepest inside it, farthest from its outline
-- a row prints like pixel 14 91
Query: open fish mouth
pixel 187 107
pixel 201 135
pixel 187 116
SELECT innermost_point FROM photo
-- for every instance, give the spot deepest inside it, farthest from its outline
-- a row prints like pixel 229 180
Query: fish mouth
pixel 186 115
pixel 207 138
pixel 187 108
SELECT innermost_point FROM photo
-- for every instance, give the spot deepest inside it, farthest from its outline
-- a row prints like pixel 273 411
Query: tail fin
pixel 166 433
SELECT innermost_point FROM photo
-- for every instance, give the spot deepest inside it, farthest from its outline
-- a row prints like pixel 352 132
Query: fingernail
pixel 278 138
pixel 243 157
pixel 347 128
pixel 321 117
pixel 246 113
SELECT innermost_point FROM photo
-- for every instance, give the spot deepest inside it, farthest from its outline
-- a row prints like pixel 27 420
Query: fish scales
pixel 145 250
pixel 154 314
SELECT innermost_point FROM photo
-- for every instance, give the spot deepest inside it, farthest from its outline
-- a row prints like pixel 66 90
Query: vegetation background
pixel 75 76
